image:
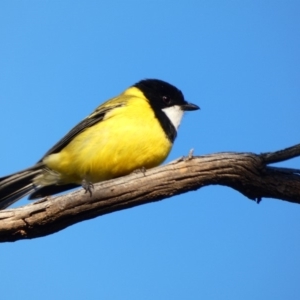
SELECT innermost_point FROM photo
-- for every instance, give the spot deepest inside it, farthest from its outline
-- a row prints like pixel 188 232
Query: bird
pixel 132 131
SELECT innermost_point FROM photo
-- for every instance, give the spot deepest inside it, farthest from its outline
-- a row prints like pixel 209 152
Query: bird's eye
pixel 166 100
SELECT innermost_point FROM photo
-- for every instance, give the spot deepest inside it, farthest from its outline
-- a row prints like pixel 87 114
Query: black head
pixel 167 103
pixel 162 94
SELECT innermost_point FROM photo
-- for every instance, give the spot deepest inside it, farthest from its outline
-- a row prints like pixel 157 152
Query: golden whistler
pixel 134 130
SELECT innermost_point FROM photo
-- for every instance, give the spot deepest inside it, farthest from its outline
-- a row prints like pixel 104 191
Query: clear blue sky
pixel 239 61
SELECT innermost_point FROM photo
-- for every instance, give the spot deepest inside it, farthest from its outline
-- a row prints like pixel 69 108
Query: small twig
pixel 281 155
pixel 190 155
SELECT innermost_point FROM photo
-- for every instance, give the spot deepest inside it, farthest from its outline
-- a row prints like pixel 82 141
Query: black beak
pixel 189 106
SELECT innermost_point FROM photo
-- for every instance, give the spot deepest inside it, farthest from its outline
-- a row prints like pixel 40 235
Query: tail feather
pixel 15 196
pixel 16 186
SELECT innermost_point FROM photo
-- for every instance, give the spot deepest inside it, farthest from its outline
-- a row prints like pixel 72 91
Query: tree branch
pixel 247 173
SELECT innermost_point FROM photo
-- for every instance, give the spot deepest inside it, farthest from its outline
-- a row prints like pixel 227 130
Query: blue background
pixel 239 61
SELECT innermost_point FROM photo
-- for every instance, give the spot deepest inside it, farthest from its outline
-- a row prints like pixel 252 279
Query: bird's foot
pixel 140 170
pixel 87 186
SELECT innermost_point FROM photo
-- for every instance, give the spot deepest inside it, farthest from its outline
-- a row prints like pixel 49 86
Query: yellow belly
pixel 126 140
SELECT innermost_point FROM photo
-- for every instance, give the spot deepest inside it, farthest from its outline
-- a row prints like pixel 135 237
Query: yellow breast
pixel 128 138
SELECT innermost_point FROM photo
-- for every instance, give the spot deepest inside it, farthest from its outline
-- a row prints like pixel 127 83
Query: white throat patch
pixel 174 113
